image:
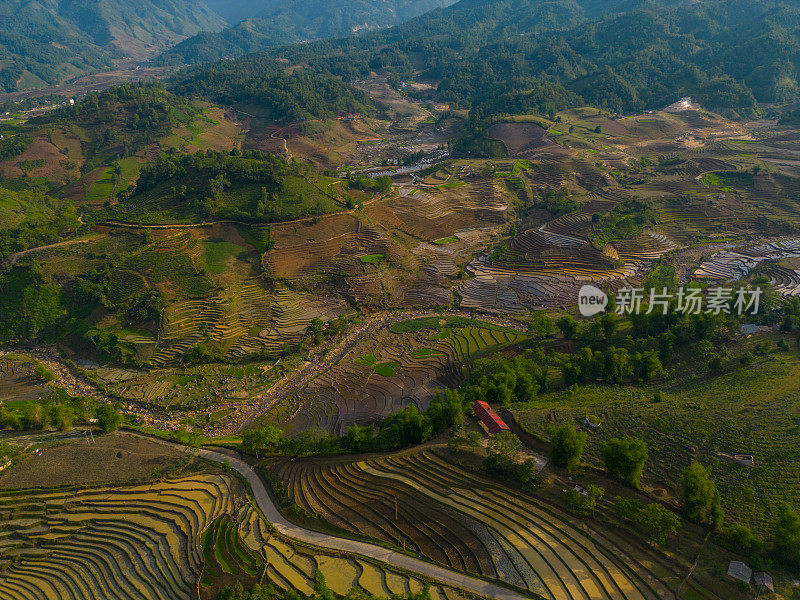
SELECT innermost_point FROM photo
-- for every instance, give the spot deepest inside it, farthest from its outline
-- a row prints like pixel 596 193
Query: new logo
pixel 591 300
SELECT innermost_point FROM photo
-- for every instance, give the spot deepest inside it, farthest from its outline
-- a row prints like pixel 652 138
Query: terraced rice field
pixel 545 267
pixel 421 501
pixel 547 551
pixel 434 214
pixel 360 502
pixel 117 543
pixel 198 386
pixel 241 320
pixel 737 263
pixel 355 390
pixel 292 566
pixel 227 557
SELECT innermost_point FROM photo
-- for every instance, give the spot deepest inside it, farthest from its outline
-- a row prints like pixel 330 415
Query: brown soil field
pixel 112 459
pixel 520 137
pixel 40 149
pixel 287 235
pixel 76 191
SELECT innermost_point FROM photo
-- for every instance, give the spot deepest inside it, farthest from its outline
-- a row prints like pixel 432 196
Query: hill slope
pixel 50 41
pixel 624 56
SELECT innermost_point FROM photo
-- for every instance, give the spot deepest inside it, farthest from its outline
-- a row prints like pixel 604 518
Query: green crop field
pixel 373 259
pixel 754 410
pixel 387 369
pixel 218 253
pixel 446 240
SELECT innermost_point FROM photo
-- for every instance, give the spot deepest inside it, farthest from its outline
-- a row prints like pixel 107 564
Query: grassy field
pixel 751 410
pixel 218 253
pixel 102 188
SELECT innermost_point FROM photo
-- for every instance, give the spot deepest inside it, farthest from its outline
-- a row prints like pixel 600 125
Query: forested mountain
pixel 264 84
pixel 261 25
pixel 49 41
pixel 625 56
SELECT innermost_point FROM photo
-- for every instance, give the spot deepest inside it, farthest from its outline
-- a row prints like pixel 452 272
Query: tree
pixel 652 520
pixel 36 417
pixel 446 410
pixel 609 321
pixel 786 536
pixel 9 419
pixel 262 439
pixel 625 458
pixel 358 439
pixel 566 447
pixel 41 309
pixel 567 326
pixel 540 325
pixel 617 365
pixel 738 538
pixel 700 499
pixel 108 417
pixel 61 415
pixel 658 523
pixel 647 365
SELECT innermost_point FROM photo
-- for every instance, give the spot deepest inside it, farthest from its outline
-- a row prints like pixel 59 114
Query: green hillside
pixel 249 185
pixel 121 120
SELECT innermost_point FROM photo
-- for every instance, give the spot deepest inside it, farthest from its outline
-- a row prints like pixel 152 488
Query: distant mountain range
pixel 379 12
pixel 278 23
pixel 48 41
pixel 44 42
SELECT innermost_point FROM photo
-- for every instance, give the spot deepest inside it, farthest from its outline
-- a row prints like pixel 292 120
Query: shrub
pixel 738 538
pixel 261 440
pixel 584 504
pixel 108 417
pixel 700 499
pixel 654 522
pixel 786 536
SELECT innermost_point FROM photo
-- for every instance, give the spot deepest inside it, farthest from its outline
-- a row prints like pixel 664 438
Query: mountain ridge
pixel 51 41
pixel 276 24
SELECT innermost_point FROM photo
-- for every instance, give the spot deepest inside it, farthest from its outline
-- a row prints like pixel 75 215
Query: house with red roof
pixel 489 419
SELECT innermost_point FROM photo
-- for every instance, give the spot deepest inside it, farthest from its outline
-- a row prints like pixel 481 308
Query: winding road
pixel 14 258
pixel 375 552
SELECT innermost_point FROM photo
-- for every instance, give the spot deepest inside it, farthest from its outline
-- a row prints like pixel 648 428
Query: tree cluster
pixel 406 427
pixel 262 81
pixel 505 381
